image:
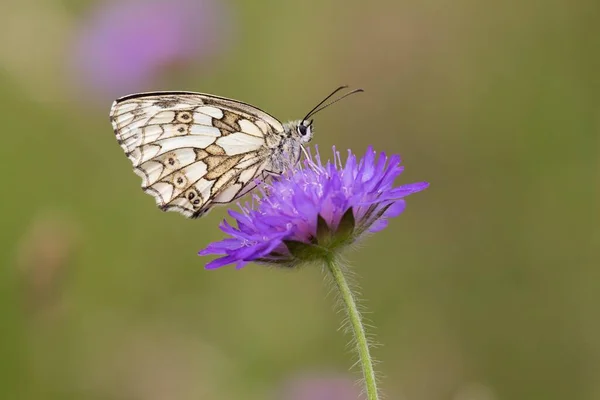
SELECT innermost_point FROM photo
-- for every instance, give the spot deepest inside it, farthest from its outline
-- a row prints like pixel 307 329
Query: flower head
pixel 314 210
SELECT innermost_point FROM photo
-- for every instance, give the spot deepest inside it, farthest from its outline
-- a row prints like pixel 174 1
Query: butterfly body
pixel 288 151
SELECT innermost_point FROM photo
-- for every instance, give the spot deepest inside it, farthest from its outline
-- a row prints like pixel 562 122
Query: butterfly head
pixel 304 126
pixel 300 130
pixel 304 130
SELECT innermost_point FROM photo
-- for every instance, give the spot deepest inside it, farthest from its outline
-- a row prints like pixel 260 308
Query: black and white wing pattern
pixel 194 150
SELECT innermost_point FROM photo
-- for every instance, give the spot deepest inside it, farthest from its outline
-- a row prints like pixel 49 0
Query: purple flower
pixel 122 46
pixel 314 211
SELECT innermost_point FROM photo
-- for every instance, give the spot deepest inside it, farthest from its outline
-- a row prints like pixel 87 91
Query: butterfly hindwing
pixel 192 149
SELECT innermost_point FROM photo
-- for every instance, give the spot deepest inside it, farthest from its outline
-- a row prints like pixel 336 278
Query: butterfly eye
pixel 302 130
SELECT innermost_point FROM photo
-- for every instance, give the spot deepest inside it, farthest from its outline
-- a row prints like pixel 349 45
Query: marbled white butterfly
pixel 195 150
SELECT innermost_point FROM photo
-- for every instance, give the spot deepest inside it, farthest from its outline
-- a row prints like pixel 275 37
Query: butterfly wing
pixel 193 150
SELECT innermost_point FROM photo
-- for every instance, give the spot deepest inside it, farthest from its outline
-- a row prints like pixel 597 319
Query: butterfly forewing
pixel 192 150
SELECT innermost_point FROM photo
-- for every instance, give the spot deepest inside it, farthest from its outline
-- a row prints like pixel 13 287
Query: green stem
pixel 362 346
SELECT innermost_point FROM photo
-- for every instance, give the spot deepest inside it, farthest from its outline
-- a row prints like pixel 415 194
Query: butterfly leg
pixel 271 174
pixel 309 160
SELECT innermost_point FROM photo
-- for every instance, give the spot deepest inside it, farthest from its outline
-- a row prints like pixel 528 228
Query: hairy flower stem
pixel 362 346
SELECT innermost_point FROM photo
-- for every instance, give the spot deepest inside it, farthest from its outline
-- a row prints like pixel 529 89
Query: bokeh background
pixel 486 288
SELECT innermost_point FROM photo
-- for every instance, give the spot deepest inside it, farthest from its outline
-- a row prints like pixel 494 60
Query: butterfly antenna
pixel 323 101
pixel 318 108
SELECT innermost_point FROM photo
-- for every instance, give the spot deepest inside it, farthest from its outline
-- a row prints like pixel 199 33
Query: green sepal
pixel 347 224
pixel 305 252
pixel 326 241
pixel 344 233
pixel 323 231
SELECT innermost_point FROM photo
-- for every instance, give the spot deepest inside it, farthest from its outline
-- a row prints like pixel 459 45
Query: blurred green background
pixel 486 288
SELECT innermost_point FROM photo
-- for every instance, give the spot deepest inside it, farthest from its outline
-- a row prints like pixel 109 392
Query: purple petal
pixel 220 262
pixel 405 190
pixel 395 209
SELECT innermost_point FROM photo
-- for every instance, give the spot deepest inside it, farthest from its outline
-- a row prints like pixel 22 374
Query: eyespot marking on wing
pixel 155 169
pixel 183 117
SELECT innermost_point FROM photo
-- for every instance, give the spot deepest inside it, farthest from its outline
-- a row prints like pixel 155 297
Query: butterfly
pixel 196 150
